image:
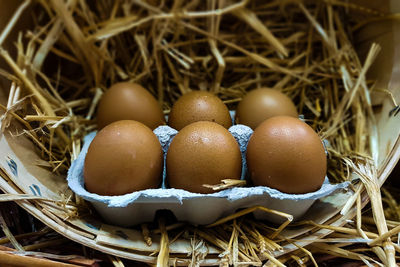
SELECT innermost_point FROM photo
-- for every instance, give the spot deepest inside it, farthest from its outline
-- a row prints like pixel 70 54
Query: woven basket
pixel 20 172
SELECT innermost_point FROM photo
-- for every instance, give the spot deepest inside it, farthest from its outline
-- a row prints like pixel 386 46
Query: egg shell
pixel 285 153
pixel 261 104
pixel 198 106
pixel 125 156
pixel 202 153
pixel 129 101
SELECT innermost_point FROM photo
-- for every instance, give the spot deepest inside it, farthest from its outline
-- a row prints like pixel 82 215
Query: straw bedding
pixel 77 49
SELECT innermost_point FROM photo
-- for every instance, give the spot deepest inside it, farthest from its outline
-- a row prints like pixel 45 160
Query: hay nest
pixel 76 49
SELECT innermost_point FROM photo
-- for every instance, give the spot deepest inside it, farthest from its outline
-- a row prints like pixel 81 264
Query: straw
pixel 75 51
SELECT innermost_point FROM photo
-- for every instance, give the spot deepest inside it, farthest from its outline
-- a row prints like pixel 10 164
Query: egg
pixel 198 106
pixel 125 156
pixel 129 101
pixel 261 104
pixel 202 153
pixel 286 154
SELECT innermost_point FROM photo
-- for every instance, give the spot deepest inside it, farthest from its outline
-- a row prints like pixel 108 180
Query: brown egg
pixel 261 104
pixel 286 154
pixel 125 156
pixel 202 153
pixel 129 101
pixel 198 106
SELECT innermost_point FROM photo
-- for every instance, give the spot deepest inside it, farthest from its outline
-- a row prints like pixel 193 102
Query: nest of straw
pixel 76 49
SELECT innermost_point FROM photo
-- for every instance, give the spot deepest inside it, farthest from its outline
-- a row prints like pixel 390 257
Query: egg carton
pixel 199 209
